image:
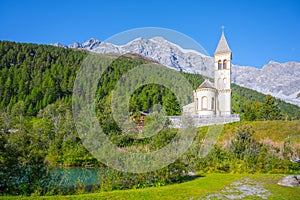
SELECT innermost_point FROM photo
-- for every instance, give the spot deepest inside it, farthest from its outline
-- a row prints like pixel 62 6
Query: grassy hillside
pixel 212 185
pixel 269 132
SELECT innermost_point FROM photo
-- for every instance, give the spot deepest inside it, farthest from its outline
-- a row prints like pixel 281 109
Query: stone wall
pixel 199 121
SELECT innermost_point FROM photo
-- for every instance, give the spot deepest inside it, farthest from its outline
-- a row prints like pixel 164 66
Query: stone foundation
pixel 176 121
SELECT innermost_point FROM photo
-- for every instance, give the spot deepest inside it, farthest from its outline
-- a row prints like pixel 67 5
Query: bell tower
pixel 222 61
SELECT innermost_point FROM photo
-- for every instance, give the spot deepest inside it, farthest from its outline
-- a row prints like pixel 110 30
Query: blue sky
pixel 257 31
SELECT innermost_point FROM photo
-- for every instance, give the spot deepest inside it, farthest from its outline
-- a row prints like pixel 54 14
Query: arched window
pixel 197 104
pixel 220 83
pixel 220 64
pixel 204 103
pixel 212 103
pixel 224 83
pixel 225 64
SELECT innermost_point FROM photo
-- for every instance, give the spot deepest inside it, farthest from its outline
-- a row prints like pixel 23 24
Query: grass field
pixel 212 186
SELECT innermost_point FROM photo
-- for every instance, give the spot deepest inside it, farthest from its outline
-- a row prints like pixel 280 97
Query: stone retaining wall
pixel 199 121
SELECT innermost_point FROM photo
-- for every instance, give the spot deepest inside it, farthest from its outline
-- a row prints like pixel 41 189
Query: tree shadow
pixel 191 177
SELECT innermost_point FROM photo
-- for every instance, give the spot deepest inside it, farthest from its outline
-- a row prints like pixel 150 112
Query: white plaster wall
pixel 209 93
pixel 223 73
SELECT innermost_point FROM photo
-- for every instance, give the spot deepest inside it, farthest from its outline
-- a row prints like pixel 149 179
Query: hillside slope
pixel 268 132
pixel 39 75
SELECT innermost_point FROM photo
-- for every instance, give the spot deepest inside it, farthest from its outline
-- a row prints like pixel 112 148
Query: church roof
pixel 206 84
pixel 222 46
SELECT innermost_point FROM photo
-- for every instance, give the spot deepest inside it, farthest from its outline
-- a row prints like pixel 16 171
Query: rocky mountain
pixel 158 49
pixel 282 80
pixel 58 44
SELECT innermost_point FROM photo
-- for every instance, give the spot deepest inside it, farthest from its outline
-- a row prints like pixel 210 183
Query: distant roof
pixel 222 46
pixel 206 84
pixel 144 113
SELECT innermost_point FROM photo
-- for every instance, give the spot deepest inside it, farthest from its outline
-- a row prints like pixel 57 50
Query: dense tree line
pixel 36 74
pixel 252 105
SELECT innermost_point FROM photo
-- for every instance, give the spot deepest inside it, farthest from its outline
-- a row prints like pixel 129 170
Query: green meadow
pixel 199 188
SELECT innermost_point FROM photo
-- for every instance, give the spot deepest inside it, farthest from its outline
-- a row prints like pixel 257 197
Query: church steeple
pixel 223 45
pixel 223 56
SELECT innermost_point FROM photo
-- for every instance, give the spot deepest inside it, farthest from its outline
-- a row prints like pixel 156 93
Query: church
pixel 214 99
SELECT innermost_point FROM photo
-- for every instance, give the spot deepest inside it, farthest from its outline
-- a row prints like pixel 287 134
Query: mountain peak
pixel 159 38
pixel 91 44
pixel 58 44
pixel 273 62
pixel 75 45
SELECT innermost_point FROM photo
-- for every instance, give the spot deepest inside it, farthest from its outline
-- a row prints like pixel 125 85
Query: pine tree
pixel 269 110
pixel 171 104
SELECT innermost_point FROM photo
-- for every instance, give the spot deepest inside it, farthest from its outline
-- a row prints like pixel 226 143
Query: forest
pixel 39 75
pixel 37 130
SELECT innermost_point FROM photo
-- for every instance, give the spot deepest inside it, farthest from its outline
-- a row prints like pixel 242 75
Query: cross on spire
pixel 222 27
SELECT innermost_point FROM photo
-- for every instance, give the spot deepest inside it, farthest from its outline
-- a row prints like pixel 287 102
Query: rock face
pixel 91 44
pixel 158 49
pixel 57 44
pixel 281 80
pixel 290 181
pixel 75 45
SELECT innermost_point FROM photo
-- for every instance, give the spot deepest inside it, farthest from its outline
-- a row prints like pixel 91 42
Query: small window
pixel 219 64
pixel 219 83
pixel 225 64
pixel 204 103
pixel 212 103
pixel 224 83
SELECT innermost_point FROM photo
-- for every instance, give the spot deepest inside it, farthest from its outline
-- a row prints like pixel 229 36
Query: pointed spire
pixel 222 46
